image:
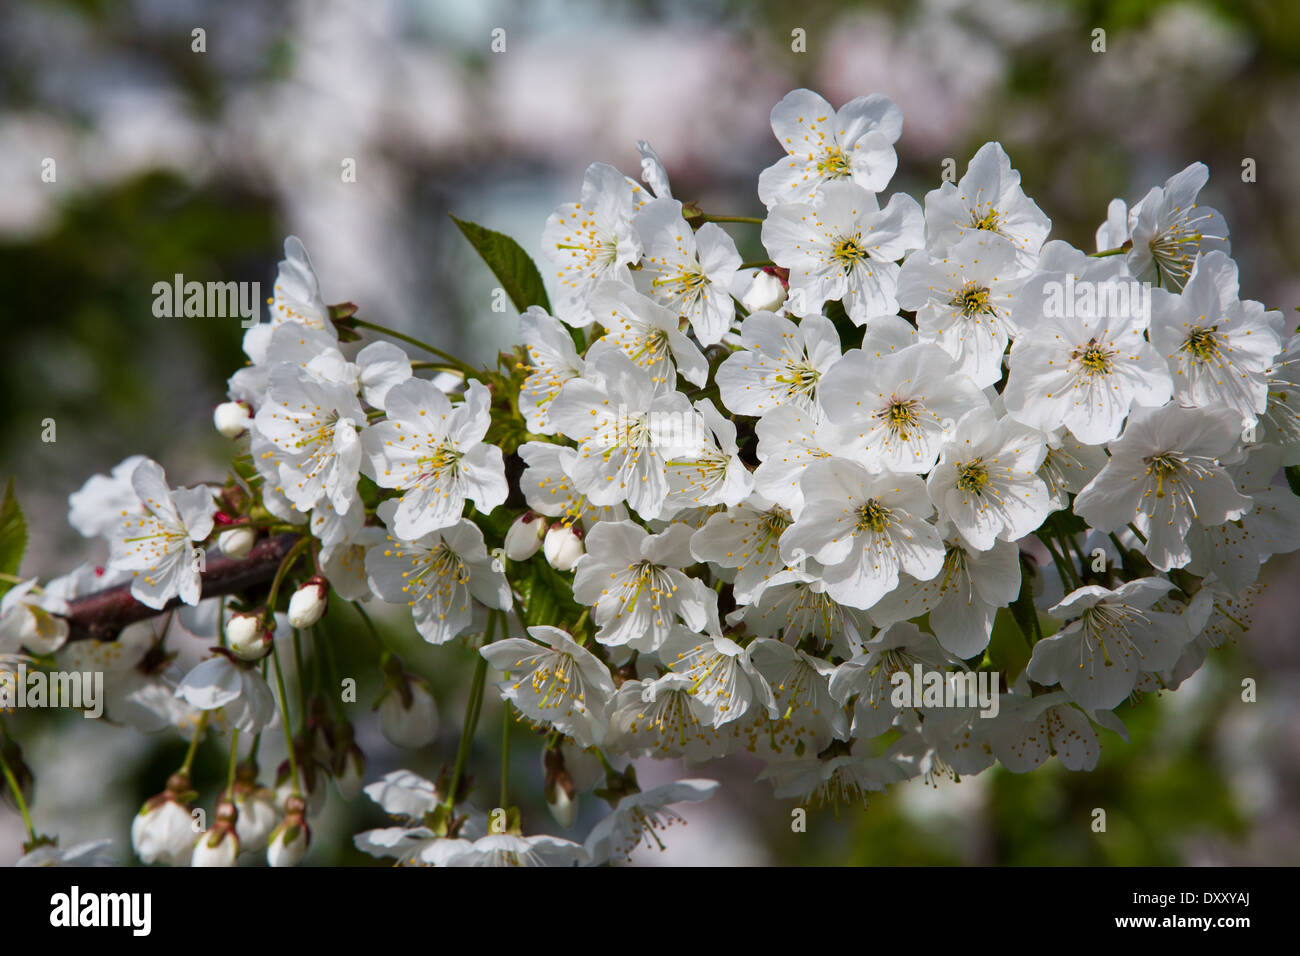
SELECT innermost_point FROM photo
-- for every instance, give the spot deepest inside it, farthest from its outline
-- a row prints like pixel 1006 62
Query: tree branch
pixel 101 616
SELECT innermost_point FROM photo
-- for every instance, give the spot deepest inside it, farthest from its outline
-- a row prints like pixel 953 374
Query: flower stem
pixel 757 264
pixel 284 719
pixel 18 798
pixel 506 720
pixel 749 219
pixel 369 624
pixel 298 548
pixel 410 340
pixel 472 708
pixel 194 742
pixel 302 684
pixel 234 759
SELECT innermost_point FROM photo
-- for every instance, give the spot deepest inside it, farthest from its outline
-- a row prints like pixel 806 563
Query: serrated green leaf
pixel 509 263
pixel 13 536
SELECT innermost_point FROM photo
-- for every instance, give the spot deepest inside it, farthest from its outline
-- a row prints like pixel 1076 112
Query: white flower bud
pixel 352 777
pixel 289 842
pixel 223 852
pixel 232 418
pixel 163 833
pixel 563 807
pixel 308 603
pixel 247 637
pixel 765 293
pixel 525 536
pixel 563 547
pixel 412 726
pixel 237 542
pixel 258 816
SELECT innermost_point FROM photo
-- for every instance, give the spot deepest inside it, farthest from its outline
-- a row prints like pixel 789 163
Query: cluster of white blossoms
pixel 919 491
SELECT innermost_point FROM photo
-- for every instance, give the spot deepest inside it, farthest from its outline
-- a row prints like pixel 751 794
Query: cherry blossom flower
pixel 855 143
pixel 844 247
pixel 434 453
pixel 779 363
pixel 592 240
pixel 689 272
pixel 1165 474
pixel 158 546
pixel 987 199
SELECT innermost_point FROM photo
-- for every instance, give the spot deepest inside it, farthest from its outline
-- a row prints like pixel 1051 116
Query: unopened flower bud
pixel 349 762
pixel 220 845
pixel 308 603
pixel 289 841
pixel 563 546
pixel 232 418
pixel 237 542
pixel 247 636
pixel 408 714
pixel 525 536
pixel 258 812
pixel 163 830
pixel 559 790
pixel 765 294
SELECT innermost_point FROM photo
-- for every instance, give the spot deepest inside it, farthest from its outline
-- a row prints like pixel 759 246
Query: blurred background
pixel 172 161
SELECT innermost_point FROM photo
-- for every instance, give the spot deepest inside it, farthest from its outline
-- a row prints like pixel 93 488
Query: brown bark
pixel 102 615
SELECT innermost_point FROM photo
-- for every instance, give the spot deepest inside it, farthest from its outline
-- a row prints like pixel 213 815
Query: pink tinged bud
pixel 232 418
pixel 247 637
pixel 563 547
pixel 525 536
pixel 308 603
pixel 409 726
pixel 765 294
pixel 237 542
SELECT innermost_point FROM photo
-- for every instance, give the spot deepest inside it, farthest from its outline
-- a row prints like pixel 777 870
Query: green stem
pixel 302 684
pixel 1060 563
pixel 410 340
pixel 437 367
pixel 472 709
pixel 369 623
pixel 1117 251
pixel 284 719
pixel 298 548
pixel 194 742
pixel 757 264
pixel 18 798
pixel 749 219
pixel 234 759
pixel 506 720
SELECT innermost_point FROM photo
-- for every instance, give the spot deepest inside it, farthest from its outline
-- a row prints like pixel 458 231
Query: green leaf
pixel 1293 478
pixel 13 536
pixel 509 263
pixel 1008 651
pixel 546 596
